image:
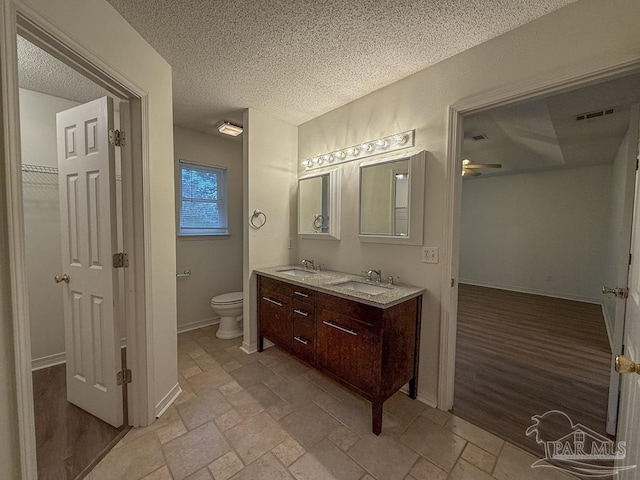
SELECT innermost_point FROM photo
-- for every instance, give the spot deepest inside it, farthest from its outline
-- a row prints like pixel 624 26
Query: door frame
pixel 18 18
pixel 573 76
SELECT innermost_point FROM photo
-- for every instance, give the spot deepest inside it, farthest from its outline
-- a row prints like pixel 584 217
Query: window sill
pixel 204 236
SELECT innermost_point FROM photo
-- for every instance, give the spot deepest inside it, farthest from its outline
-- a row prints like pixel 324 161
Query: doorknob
pixel 62 278
pixel 624 365
pixel 618 292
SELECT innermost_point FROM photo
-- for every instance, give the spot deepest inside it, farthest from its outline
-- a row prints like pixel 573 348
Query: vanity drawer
pixel 304 335
pixel 302 310
pixel 304 294
pixel 275 285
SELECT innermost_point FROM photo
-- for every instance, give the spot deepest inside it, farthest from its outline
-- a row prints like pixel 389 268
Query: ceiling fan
pixel 469 169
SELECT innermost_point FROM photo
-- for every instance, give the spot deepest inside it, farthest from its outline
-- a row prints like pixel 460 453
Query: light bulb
pixel 340 155
pixel 400 138
pixel 381 143
pixel 366 147
pixel 331 158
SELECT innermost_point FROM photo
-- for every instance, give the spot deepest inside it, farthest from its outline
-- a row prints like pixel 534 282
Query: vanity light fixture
pixel 392 143
pixel 230 129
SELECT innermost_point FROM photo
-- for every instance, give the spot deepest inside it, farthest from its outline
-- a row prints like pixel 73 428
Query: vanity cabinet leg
pixel 413 388
pixel 260 343
pixel 376 416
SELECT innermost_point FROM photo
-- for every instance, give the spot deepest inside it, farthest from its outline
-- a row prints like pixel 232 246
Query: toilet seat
pixel 227 298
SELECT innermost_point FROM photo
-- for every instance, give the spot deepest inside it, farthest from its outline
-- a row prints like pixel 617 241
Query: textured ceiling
pixel 543 134
pixel 40 72
pixel 298 59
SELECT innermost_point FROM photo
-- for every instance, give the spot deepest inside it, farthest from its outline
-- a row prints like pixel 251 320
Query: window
pixel 203 200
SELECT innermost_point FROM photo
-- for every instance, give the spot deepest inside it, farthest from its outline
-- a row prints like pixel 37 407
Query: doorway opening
pixel 72 210
pixel 541 232
pixel 135 222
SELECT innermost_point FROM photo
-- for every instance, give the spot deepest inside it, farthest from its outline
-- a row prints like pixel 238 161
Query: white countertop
pixel 326 281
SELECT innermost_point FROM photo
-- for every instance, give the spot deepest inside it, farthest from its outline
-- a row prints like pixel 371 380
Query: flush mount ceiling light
pixel 229 129
pixel 392 143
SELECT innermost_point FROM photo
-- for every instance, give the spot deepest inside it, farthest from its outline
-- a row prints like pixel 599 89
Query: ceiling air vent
pixel 479 138
pixel 596 114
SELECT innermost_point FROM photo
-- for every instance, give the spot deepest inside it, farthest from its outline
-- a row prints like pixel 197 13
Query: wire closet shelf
pixel 40 174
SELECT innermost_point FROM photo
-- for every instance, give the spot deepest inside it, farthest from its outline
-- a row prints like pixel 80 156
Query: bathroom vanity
pixel 365 336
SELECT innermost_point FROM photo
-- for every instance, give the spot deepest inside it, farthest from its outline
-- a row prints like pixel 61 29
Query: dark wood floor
pixel 520 355
pixel 68 439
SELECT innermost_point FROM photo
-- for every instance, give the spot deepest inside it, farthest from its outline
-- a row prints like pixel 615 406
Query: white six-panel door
pixel 629 414
pixel 86 172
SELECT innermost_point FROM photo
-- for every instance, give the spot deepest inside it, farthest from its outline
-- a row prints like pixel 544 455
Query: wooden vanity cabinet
pixel 274 307
pixel 371 350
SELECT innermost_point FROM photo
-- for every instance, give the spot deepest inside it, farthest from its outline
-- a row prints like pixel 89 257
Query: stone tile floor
pixel 268 416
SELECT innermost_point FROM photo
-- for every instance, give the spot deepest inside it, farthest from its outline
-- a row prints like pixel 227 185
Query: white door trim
pixel 16 16
pixel 553 82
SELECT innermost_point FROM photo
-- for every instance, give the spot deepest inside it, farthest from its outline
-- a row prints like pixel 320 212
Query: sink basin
pixel 362 287
pixel 297 272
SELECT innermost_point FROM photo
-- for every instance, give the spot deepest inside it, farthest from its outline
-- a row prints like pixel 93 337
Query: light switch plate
pixel 430 255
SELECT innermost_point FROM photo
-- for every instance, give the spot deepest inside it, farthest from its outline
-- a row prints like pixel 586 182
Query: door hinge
pixel 120 260
pixel 453 282
pixel 116 138
pixel 630 257
pixel 123 376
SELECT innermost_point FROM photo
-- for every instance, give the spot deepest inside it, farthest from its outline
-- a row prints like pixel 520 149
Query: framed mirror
pixel 319 205
pixel 392 200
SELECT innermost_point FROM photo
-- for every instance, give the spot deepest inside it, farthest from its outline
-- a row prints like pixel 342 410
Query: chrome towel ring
pixel 258 219
pixel 318 221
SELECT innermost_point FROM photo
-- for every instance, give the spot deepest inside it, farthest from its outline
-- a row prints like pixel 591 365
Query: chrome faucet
pixel 371 272
pixel 308 264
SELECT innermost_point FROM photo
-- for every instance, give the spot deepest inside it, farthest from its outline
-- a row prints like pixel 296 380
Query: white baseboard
pixel 187 327
pixel 428 399
pixel 48 361
pixel 532 291
pixel 167 400
pixel 249 349
pixel 607 324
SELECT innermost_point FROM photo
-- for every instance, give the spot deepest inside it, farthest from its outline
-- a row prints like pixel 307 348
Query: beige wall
pixel 589 31
pixel 215 262
pixel 98 27
pixel 270 152
pixel 543 233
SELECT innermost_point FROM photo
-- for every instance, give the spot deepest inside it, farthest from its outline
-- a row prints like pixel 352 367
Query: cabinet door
pixel 275 318
pixel 345 348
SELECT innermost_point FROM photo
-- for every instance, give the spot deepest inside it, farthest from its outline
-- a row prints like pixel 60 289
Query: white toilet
pixel 229 307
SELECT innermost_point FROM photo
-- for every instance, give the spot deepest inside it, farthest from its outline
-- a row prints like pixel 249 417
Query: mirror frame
pixel 416 200
pixel 335 206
